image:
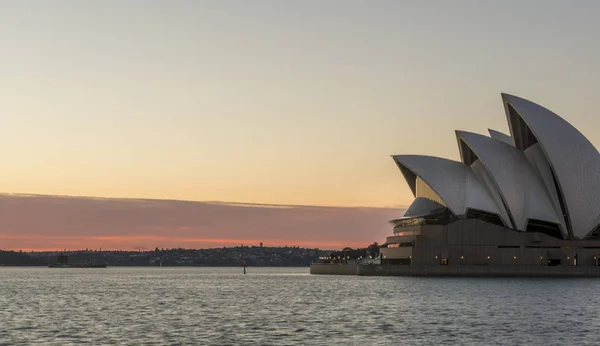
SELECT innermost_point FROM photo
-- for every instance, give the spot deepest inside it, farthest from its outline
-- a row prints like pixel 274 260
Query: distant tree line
pixel 12 258
pixel 342 256
pixel 231 256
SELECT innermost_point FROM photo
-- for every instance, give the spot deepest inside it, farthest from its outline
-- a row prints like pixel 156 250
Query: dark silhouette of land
pixel 12 258
pixel 255 256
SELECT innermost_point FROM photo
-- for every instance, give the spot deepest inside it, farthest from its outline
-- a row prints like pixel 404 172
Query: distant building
pixel 531 198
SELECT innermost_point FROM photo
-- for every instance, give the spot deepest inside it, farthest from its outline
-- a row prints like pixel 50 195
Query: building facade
pixel 528 198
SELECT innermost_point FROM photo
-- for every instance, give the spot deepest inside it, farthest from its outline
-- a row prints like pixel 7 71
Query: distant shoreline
pixel 254 256
pixel 166 267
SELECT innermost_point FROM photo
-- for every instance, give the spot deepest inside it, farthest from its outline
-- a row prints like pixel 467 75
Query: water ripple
pixel 216 306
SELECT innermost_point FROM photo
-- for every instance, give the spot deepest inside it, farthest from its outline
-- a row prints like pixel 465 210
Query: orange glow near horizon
pixel 76 223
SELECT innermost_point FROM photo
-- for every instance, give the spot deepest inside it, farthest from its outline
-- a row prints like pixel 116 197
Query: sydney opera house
pixel 528 198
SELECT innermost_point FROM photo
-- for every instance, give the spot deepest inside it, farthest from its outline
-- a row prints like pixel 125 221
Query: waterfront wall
pixel 456 271
pixel 476 242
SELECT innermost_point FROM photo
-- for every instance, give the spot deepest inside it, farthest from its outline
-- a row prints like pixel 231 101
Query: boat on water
pixel 62 261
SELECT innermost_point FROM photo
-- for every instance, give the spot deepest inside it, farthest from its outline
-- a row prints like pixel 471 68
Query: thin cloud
pixel 56 222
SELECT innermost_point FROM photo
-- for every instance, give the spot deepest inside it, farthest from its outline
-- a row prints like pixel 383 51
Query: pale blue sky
pixel 297 102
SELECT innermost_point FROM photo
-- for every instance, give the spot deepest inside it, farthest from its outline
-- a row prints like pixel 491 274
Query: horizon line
pixel 168 249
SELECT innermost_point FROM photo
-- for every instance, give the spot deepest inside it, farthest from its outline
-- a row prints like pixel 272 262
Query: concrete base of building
pixel 457 271
pixel 478 244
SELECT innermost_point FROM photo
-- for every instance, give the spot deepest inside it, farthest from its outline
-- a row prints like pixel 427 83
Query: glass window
pixel 424 190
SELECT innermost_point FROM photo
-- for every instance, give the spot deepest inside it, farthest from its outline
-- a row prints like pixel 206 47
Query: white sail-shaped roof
pixel 454 182
pixel 522 191
pixel 501 137
pixel 422 206
pixel 573 160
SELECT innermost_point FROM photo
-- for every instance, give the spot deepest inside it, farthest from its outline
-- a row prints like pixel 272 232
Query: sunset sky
pixel 264 102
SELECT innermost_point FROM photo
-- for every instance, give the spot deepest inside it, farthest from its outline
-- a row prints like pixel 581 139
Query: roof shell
pixel 453 181
pixel 501 137
pixel 521 189
pixel 574 161
pixel 422 206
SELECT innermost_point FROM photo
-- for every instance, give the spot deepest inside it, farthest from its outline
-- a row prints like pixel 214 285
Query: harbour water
pixel 287 306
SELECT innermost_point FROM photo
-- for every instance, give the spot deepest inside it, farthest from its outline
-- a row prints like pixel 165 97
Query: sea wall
pixel 456 271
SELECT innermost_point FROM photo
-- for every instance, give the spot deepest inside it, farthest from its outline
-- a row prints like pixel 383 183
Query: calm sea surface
pixel 287 306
